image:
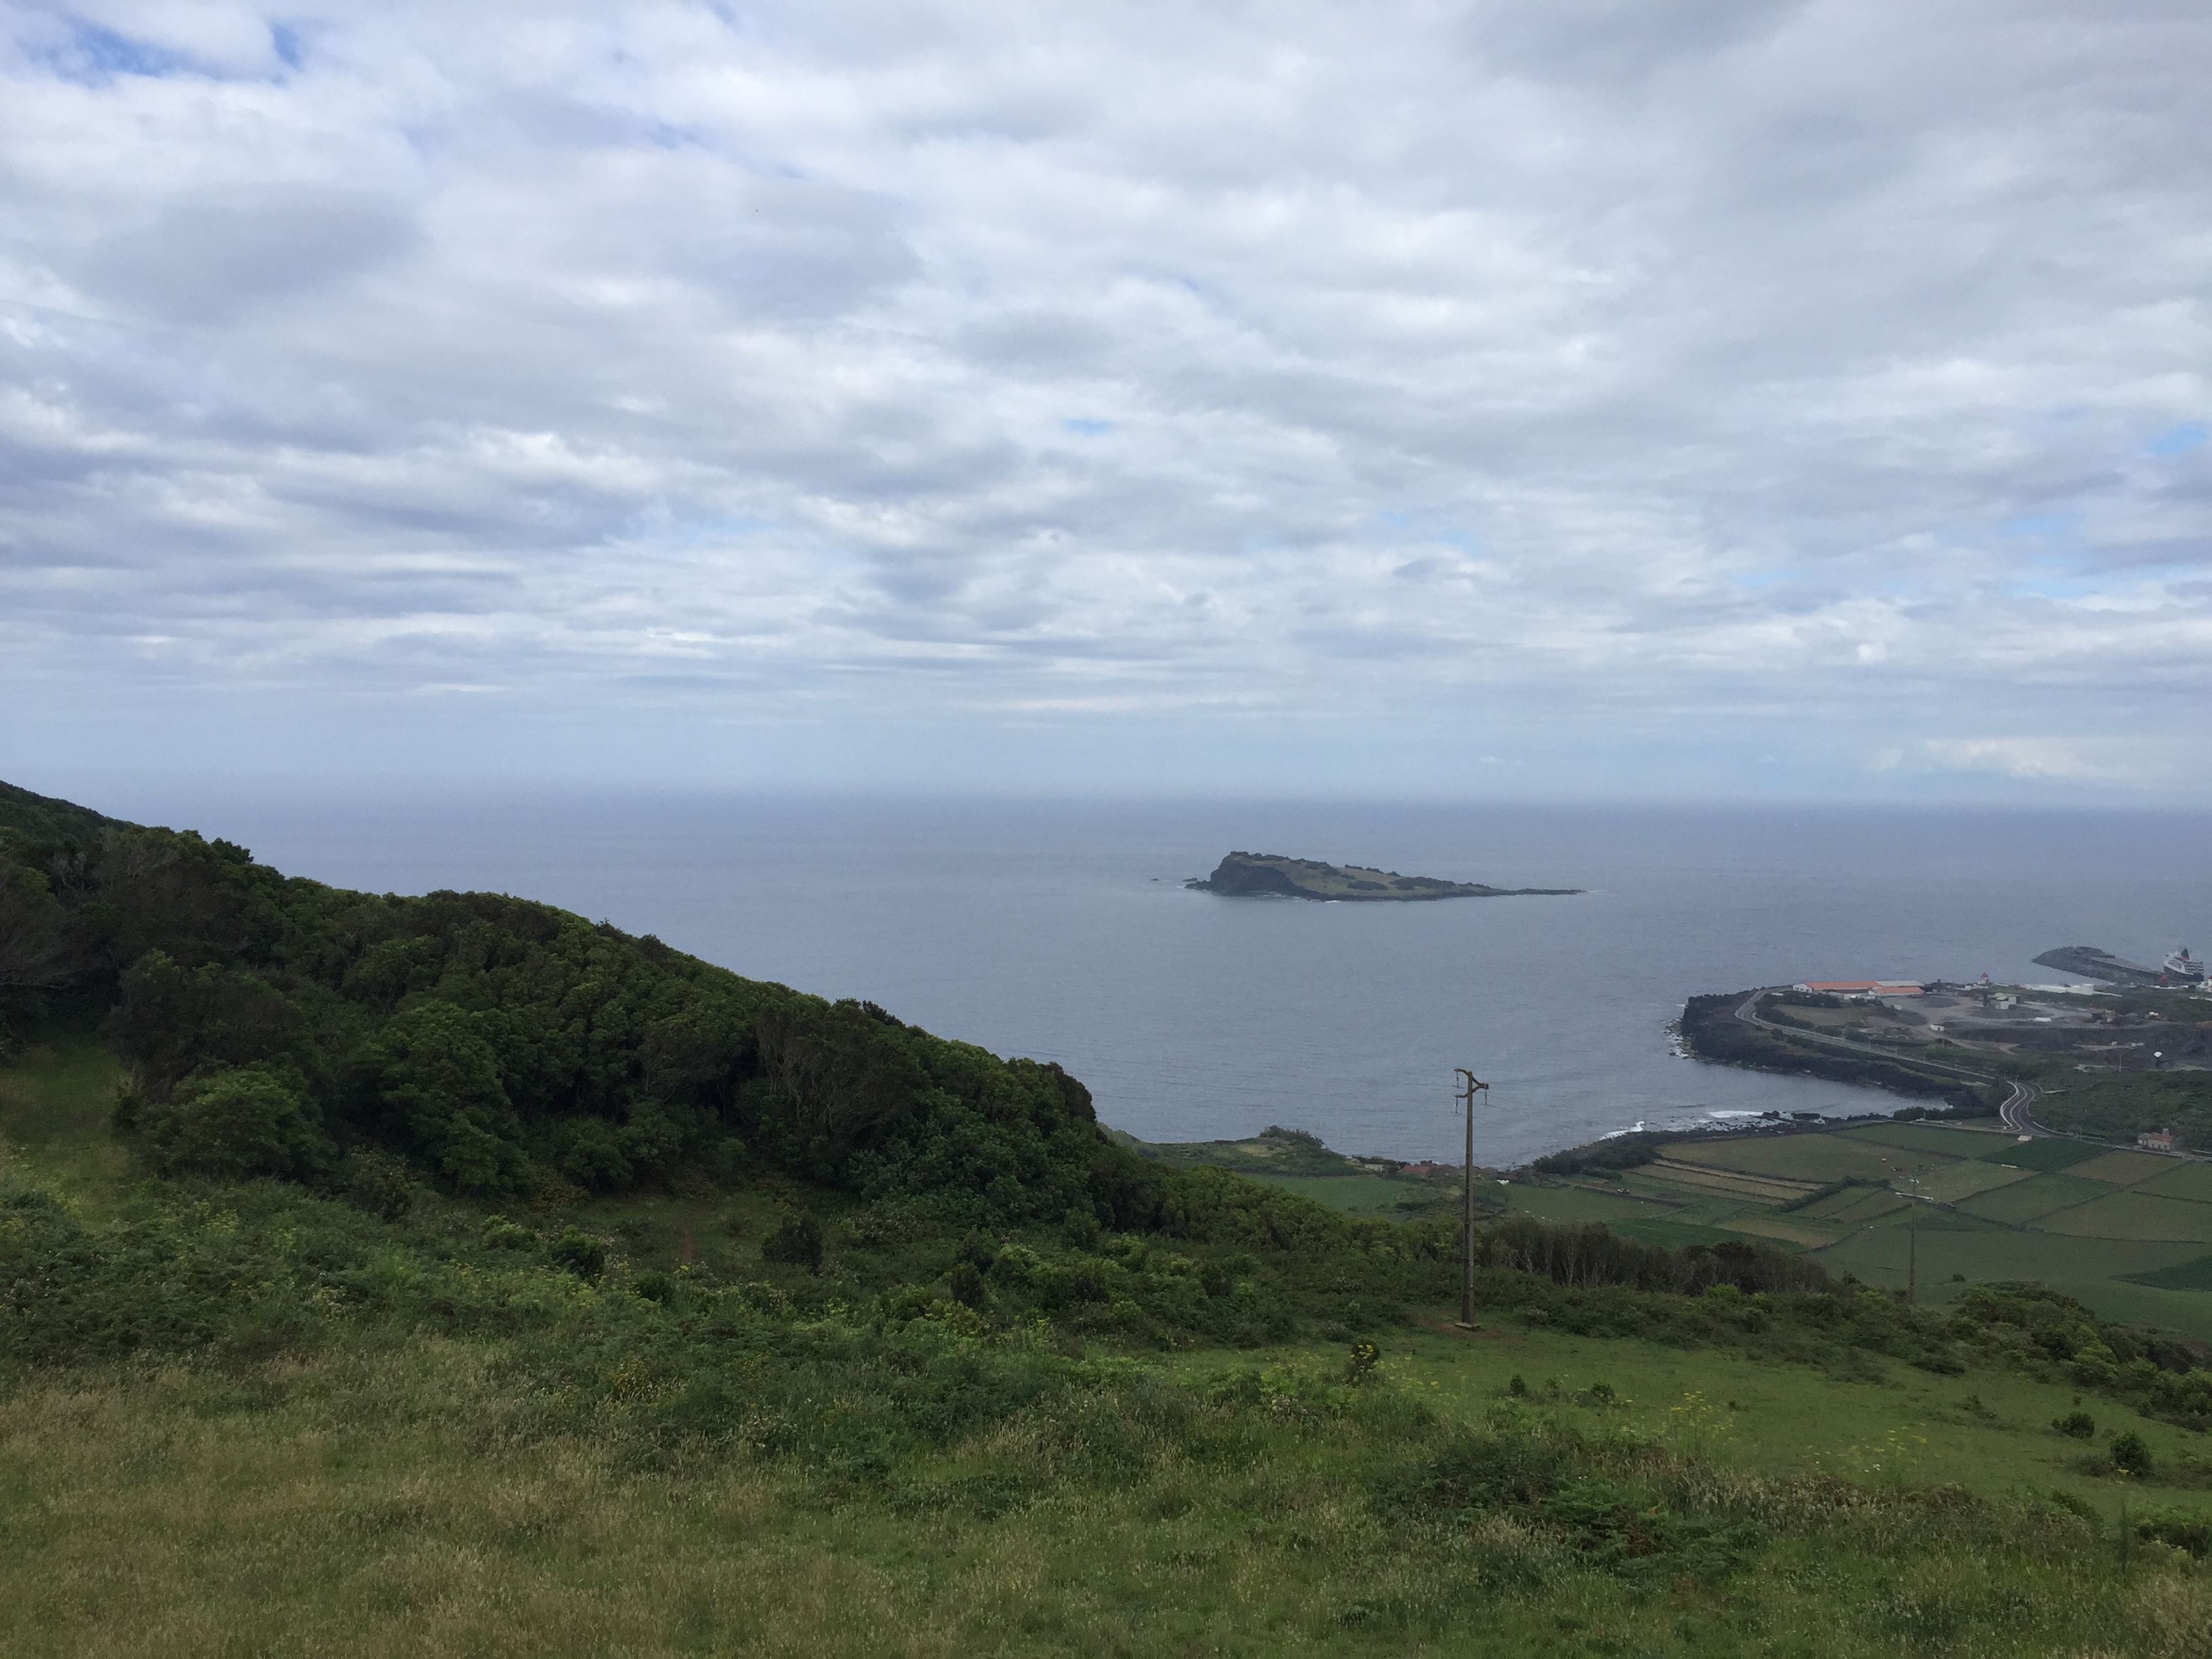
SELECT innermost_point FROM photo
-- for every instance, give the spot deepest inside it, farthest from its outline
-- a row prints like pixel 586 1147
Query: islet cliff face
pixel 1272 875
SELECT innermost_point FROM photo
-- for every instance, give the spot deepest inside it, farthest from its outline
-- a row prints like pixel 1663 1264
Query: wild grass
pixel 243 1419
pixel 404 1500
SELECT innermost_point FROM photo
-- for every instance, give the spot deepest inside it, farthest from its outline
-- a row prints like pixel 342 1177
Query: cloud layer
pixel 1560 388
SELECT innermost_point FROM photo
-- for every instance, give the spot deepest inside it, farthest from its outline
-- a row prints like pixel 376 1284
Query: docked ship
pixel 2089 961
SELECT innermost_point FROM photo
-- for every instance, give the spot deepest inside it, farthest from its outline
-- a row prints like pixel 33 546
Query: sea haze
pixel 1062 930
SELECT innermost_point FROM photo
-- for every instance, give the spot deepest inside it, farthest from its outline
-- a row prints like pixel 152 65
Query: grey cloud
pixel 737 358
pixel 1614 42
pixel 217 257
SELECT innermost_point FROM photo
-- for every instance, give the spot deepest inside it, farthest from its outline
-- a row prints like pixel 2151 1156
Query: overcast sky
pixel 1545 396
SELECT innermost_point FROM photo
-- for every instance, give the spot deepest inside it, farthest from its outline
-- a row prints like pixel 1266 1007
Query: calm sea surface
pixel 1063 932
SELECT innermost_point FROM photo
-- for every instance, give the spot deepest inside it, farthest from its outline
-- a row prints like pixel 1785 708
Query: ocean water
pixel 1062 930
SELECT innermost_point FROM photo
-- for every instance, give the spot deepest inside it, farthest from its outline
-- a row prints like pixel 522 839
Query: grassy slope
pixel 424 1494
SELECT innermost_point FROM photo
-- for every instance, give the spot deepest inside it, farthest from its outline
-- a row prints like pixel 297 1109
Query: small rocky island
pixel 1270 875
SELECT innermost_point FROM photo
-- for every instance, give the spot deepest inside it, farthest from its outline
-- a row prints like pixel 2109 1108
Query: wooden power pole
pixel 1469 1087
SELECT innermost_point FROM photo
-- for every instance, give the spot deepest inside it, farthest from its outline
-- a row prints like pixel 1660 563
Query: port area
pixel 2112 1031
pixel 2127 1067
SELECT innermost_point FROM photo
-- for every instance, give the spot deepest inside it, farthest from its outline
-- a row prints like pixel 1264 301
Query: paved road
pixel 2014 1111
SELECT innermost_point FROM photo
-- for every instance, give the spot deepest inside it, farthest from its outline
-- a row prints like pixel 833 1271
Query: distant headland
pixel 1270 875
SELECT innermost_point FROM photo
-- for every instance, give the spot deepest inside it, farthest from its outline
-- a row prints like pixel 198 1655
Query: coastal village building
pixel 2156 1140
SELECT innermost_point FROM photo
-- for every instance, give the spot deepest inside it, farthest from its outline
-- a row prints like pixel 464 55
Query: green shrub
pixel 579 1253
pixel 378 1182
pixel 967 1284
pixel 796 1241
pixel 2131 1455
pixel 237 1124
pixel 501 1234
pixel 2184 1530
pixel 1360 1369
pixel 2080 1425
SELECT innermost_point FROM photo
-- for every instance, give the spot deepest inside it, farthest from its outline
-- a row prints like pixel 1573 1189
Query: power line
pixel 1468 1089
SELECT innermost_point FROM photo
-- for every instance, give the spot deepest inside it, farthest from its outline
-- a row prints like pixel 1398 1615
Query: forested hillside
pixel 277 1026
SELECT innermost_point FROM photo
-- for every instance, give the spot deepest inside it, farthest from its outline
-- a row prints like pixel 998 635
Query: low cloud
pixel 2065 760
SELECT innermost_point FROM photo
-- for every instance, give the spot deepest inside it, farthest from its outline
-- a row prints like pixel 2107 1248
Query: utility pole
pixel 1468 1089
pixel 1912 1263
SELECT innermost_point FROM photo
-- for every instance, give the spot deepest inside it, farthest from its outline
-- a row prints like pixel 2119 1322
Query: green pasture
pixel 1854 1206
pixel 1935 1218
pixel 1574 1203
pixel 2090 1269
pixel 2134 1215
pixel 1944 1141
pixel 1815 1158
pixel 2195 1275
pixel 2192 1181
pixel 2123 1169
pixel 2023 1201
pixel 2186 1310
pixel 1782 1229
pixel 2046 1154
pixel 1711 1183
pixel 1965 1179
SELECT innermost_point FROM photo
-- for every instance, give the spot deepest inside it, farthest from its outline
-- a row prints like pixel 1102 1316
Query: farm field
pixel 2136 1215
pixel 2122 1169
pixel 1944 1141
pixel 2045 1155
pixel 1577 1204
pixel 2037 1196
pixel 1966 1178
pixel 1815 1159
pixel 2182 1181
pixel 1949 1207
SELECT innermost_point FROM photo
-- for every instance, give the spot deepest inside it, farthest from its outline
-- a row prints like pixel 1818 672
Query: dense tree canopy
pixel 274 1025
